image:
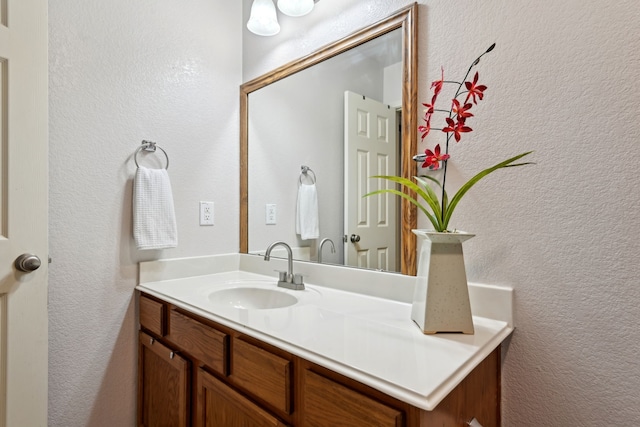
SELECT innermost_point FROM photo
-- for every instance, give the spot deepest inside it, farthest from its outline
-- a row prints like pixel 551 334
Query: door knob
pixel 355 238
pixel 27 262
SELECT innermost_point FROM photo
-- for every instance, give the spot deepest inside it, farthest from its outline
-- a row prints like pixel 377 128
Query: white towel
pixel 307 219
pixel 154 219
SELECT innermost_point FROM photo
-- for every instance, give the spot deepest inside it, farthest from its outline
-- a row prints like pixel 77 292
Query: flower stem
pixel 450 111
pixel 444 180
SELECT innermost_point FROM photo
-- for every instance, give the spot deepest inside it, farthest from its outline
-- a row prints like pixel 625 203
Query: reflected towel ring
pixel 151 147
pixel 305 172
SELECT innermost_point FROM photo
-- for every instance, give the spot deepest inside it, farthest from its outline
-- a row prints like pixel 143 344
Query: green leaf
pixel 432 195
pixel 435 222
pixel 427 194
pixel 430 178
pixel 445 202
pixel 463 190
pixel 432 202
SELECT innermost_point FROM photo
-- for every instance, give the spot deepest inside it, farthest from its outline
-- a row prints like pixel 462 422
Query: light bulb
pixel 263 20
pixel 295 7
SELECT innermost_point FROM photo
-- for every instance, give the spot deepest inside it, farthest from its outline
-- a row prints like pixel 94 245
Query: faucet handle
pixel 298 279
pixel 282 275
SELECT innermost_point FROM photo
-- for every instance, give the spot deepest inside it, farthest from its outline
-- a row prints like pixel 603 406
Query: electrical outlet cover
pixel 206 213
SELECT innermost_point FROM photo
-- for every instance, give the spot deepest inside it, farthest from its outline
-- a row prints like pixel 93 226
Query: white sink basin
pixel 250 298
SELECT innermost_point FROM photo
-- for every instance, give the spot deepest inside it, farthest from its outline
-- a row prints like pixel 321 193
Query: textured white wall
pixel 564 233
pixel 122 71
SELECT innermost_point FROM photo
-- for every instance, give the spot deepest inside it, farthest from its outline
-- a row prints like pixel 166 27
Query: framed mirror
pixel 298 124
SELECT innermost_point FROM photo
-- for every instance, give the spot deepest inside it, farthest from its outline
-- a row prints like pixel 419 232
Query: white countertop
pixel 368 338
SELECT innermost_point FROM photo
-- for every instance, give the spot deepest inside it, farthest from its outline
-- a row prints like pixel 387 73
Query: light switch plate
pixel 270 217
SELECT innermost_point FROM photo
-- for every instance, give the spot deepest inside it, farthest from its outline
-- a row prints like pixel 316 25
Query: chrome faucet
pixel 287 279
pixel 333 248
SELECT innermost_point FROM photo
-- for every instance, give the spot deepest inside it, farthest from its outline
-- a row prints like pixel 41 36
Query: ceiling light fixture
pixel 295 7
pixel 263 20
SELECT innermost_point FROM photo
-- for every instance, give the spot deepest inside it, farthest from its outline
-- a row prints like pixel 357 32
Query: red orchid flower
pixel 424 130
pixel 456 128
pixel 430 108
pixel 437 85
pixel 474 89
pixel 461 111
pixel 433 158
pixel 427 117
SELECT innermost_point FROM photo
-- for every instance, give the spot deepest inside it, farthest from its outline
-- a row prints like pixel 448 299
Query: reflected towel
pixel 307 219
pixel 154 219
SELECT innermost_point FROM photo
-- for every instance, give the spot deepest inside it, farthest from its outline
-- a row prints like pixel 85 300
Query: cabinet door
pixel 163 385
pixel 221 406
pixel 326 403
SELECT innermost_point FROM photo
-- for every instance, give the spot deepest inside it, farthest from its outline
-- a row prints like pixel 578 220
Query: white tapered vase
pixel 441 296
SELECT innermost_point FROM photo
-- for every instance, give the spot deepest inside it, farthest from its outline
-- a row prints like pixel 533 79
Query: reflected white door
pixel 23 212
pixel 370 149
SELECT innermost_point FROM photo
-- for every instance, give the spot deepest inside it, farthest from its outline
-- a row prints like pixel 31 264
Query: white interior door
pixel 23 212
pixel 370 149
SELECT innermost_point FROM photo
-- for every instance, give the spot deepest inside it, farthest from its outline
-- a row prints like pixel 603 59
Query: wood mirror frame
pixel 406 20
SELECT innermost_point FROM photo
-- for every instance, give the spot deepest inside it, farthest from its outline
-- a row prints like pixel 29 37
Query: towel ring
pixel 305 171
pixel 151 147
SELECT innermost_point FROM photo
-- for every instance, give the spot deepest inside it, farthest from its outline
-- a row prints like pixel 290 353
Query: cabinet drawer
pixel 208 345
pixel 266 375
pixel 152 315
pixel 220 405
pixel 328 403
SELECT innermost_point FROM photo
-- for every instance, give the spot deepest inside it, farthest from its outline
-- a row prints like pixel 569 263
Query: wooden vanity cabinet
pixel 219 377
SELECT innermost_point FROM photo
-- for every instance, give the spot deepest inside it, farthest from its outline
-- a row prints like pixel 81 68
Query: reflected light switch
pixel 270 217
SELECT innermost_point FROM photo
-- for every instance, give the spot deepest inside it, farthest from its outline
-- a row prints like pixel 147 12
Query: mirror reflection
pixel 313 139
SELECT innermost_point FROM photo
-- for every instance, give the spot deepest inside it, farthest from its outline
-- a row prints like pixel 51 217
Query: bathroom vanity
pixel 216 349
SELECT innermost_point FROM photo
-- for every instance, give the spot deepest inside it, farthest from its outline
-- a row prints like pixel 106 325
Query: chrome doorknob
pixel 28 262
pixel 355 238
